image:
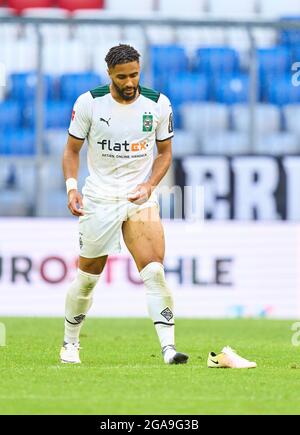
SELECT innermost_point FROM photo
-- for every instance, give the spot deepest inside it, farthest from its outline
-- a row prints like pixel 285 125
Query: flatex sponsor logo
pixel 123 150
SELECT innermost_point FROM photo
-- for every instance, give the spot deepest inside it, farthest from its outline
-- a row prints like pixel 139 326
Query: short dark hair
pixel 121 53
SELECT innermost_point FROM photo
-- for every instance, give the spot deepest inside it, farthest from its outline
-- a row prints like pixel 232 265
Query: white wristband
pixel 71 183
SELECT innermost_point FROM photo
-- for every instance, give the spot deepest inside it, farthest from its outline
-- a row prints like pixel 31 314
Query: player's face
pixel 125 78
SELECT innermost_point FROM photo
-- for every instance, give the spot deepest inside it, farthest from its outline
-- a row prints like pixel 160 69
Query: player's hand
pixel 75 203
pixel 141 194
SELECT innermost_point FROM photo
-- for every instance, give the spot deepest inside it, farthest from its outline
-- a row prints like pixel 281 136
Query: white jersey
pixel 121 139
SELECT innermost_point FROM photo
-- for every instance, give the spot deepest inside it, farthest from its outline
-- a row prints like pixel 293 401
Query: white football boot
pixel 69 353
pixel 228 358
pixel 172 357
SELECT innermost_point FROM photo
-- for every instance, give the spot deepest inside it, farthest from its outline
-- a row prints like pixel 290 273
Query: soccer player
pixel 122 122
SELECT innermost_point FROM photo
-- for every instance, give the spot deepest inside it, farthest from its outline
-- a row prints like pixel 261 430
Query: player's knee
pixel 153 275
pixel 93 266
pixel 84 283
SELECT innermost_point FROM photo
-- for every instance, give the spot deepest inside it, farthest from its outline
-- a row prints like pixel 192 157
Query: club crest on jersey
pixel 147 122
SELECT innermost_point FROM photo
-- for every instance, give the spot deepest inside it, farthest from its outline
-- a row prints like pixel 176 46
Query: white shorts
pixel 100 226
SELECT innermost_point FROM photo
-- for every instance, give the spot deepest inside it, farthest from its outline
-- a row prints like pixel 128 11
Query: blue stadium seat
pixel 296 54
pixel 281 91
pixel 217 60
pixel 73 85
pixel 10 114
pixel 161 82
pixel 17 142
pixel 23 86
pixel 187 87
pixel 290 37
pixel 57 114
pixel 166 59
pixel 272 62
pixel 232 89
pixel 177 120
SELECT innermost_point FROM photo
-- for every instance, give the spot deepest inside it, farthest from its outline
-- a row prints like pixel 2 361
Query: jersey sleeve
pixel 165 129
pixel 81 116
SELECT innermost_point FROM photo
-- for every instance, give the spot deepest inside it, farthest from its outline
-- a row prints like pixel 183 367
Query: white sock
pixel 78 302
pixel 160 302
pixel 168 353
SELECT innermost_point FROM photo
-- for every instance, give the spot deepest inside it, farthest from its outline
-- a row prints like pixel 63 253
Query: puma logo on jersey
pixel 106 121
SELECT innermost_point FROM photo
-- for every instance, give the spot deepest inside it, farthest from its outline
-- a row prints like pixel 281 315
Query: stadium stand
pixel 185 143
pixel 23 87
pixel 72 5
pixel 13 203
pixel 291 116
pixel 290 37
pixel 232 9
pixel 55 187
pixel 56 114
pixel 17 141
pixel 275 61
pixel 240 115
pixel 25 179
pixel 97 33
pixel 282 92
pixel 265 38
pixel 271 9
pixel 229 143
pixel 69 56
pixel 204 118
pixel 188 87
pixel 73 85
pixel 54 140
pixel 204 71
pixel 61 31
pixel 156 34
pixel 214 8
pixel 130 7
pixel 231 89
pixel 4 11
pixel 216 60
pixel 8 31
pixel 168 57
pixel 19 5
pixel 179 8
pixel 277 144
pixel 165 58
pixel 18 55
pixel 10 114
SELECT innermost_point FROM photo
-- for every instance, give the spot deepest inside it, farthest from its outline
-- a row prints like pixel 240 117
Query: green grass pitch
pixel 122 370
